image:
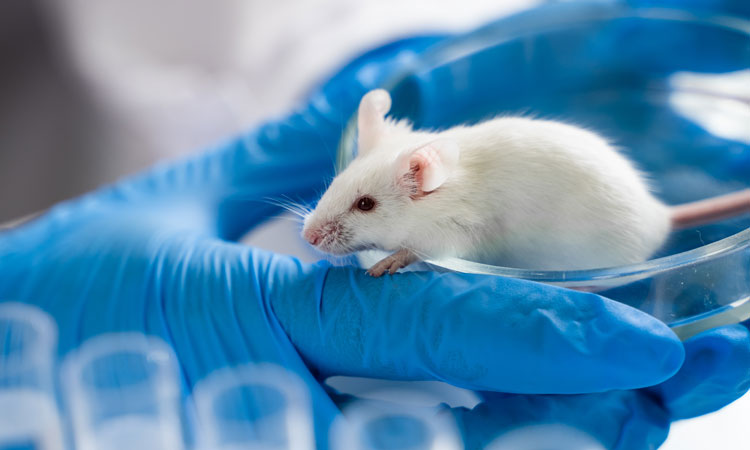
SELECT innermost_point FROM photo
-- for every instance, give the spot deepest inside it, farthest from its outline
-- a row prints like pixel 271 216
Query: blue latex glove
pixel 733 7
pixel 155 254
pixel 714 374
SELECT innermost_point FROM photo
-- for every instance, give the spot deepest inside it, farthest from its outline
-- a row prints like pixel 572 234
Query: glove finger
pixel 715 373
pixel 477 332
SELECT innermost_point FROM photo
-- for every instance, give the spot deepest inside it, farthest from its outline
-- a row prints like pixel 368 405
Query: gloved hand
pixel 155 254
pixel 715 373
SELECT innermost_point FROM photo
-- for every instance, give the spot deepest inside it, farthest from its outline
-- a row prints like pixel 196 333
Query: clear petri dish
pixel 670 87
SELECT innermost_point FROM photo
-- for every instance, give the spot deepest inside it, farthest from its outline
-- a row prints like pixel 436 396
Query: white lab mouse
pixel 510 191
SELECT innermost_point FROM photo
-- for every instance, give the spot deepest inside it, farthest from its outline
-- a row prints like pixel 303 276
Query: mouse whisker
pixel 298 204
pixel 296 209
pixel 293 219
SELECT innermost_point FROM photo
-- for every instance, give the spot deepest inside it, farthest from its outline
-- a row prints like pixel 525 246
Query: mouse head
pixel 374 203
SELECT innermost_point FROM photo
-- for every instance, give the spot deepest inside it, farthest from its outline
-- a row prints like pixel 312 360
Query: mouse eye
pixel 365 203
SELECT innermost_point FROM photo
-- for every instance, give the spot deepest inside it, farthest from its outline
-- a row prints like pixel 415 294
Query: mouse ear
pixel 425 169
pixel 371 118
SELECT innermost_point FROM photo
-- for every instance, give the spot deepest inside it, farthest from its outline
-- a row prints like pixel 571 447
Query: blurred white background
pixel 93 90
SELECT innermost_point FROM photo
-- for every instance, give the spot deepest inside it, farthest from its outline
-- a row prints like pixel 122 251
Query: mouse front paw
pixel 383 266
pixel 392 263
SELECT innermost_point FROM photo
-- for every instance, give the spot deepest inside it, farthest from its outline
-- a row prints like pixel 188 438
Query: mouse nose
pixel 313 236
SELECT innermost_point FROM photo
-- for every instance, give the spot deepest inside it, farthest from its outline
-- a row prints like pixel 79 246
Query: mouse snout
pixel 325 236
pixel 313 236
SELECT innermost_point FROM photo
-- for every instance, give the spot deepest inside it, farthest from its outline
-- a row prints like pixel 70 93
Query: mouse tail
pixel 711 210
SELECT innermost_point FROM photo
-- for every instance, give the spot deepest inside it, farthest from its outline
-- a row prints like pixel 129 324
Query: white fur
pixel 525 193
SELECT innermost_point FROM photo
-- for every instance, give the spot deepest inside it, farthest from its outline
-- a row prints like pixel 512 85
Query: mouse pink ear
pixel 371 118
pixel 425 169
